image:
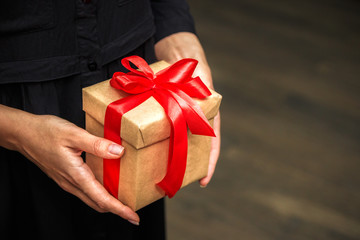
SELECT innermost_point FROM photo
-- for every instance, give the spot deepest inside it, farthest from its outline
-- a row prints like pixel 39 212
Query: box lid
pixel 145 124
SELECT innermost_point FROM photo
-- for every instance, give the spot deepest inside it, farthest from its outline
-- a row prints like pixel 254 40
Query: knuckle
pixel 102 203
pixel 78 178
pixel 100 210
pixel 97 146
pixel 65 186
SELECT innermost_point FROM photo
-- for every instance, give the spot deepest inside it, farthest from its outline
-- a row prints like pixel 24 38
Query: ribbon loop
pixel 194 88
pixel 131 83
pixel 179 72
pixel 144 68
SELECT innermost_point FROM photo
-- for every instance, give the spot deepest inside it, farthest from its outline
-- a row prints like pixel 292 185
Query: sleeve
pixel 171 16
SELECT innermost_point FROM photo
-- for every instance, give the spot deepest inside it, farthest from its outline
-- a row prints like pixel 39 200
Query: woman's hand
pixel 187 45
pixel 55 146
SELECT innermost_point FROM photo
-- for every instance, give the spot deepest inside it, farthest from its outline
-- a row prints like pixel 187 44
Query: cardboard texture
pixel 145 132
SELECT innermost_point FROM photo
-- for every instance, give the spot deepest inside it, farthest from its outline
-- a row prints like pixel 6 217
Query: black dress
pixel 44 64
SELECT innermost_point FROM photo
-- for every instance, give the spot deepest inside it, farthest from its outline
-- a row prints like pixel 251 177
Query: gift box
pixel 145 134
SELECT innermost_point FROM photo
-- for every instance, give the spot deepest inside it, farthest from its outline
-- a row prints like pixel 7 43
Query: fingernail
pixel 203 186
pixel 116 149
pixel 134 222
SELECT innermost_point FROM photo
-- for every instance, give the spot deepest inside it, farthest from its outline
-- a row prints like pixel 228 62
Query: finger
pixel 212 164
pixel 95 191
pixel 214 154
pixel 69 187
pixel 66 183
pixel 204 72
pixel 97 146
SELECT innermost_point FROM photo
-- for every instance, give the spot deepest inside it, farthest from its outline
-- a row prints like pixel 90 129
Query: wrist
pixel 13 124
pixel 178 46
pixel 185 45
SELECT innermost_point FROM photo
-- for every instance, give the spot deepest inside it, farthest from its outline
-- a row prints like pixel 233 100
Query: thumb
pixel 98 146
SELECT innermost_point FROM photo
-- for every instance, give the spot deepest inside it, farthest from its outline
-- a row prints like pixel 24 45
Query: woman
pixel 50 50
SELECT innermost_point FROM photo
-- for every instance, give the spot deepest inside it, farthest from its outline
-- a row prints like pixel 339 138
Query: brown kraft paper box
pixel 145 132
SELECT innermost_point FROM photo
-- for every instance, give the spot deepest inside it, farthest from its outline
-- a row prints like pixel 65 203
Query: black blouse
pixel 48 39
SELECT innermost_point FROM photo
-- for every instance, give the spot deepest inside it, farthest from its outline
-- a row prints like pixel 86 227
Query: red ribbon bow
pixel 173 88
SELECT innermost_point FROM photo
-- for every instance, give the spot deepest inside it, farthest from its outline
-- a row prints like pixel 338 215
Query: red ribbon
pixel 174 88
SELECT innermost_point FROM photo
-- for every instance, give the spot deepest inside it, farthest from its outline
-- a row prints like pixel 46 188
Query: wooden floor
pixel 289 72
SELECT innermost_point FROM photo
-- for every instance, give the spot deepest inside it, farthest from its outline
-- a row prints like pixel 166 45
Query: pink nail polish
pixel 134 222
pixel 116 149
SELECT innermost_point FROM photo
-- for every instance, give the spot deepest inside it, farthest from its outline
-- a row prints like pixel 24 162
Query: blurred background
pixel 289 73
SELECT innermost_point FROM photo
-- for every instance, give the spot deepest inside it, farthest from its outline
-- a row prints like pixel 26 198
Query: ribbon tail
pixel 173 179
pixel 112 127
pixel 195 118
